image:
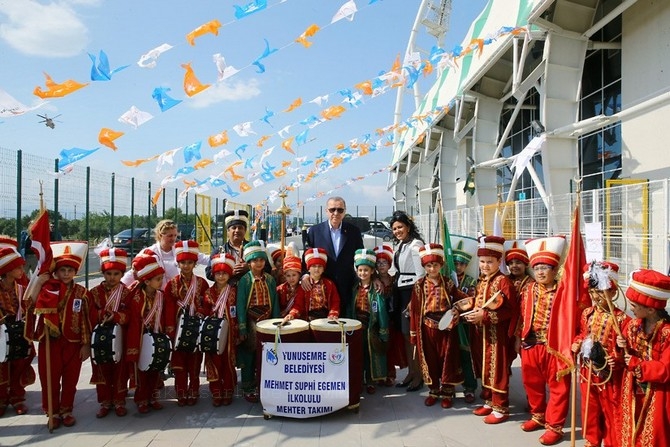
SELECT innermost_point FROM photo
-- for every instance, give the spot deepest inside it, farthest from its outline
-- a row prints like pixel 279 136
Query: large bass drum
pixel 213 335
pixel 106 344
pixel 13 345
pixel 155 352
pixel 188 330
pixel 332 331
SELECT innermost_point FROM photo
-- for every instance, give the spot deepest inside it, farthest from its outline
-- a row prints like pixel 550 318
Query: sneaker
pixel 550 437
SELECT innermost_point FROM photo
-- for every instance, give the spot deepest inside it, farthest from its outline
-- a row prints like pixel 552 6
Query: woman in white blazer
pixel 408 266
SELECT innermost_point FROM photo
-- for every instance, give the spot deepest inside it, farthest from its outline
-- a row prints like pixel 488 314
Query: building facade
pixel 558 92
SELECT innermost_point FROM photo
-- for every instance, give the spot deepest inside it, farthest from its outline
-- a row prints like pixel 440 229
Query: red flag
pixel 40 234
pixel 571 298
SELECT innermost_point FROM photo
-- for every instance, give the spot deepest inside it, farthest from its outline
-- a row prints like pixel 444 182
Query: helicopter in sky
pixel 49 122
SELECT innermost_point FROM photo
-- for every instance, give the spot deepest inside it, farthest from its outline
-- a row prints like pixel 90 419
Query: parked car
pixel 133 240
pixel 384 234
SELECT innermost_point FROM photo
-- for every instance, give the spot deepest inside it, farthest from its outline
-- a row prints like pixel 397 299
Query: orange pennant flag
pixel 396 64
pixel 286 145
pixel 286 163
pixel 427 68
pixel 333 112
pixel 209 27
pixel 218 139
pixel 244 187
pixel 365 87
pixel 294 105
pixel 262 140
pixel 231 170
pixel 203 163
pixel 57 90
pixel 107 137
pixel 339 146
pixel 157 196
pixel 191 184
pixel 480 45
pixel 280 173
pixel 309 32
pixel 192 85
pixel 136 163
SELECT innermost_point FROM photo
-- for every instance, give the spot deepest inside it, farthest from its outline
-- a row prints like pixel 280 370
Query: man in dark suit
pixel 341 240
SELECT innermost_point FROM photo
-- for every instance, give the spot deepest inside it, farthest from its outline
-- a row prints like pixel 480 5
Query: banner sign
pixel 304 380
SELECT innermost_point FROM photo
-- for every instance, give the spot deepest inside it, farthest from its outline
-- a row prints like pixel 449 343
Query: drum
pixel 188 330
pixel 213 335
pixel 330 331
pixel 155 352
pixel 294 331
pixel 447 321
pixel 13 345
pixel 106 344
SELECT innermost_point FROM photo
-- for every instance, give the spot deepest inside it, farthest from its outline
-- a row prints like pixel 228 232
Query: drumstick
pixel 487 303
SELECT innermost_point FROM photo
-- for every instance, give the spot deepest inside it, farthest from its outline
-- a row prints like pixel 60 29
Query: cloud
pixel 224 91
pixel 49 30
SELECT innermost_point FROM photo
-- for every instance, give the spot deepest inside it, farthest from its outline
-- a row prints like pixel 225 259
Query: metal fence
pixel 634 221
pixel 81 192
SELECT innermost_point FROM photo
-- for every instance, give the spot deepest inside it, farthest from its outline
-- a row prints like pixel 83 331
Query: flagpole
pixel 573 375
pixel 45 334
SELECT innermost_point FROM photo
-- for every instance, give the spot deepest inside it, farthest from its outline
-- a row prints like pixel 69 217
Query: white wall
pixel 645 74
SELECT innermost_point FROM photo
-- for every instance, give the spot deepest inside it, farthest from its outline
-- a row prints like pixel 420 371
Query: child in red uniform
pixel 438 350
pixel 147 314
pixel 15 372
pixel 601 370
pixel 63 310
pixel 221 302
pixel 645 396
pixel 538 366
pixel 109 303
pixel 288 290
pixel 395 356
pixel 322 300
pixel 184 294
pixel 492 326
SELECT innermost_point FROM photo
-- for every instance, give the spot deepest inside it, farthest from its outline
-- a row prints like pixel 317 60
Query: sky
pixel 56 37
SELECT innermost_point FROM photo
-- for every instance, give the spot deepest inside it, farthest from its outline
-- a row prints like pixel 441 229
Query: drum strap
pixel 153 318
pixel 19 294
pixel 114 300
pixel 220 306
pixel 189 299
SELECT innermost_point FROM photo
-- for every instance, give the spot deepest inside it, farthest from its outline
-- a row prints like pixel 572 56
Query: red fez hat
pixel 431 253
pixel 113 259
pixel 223 262
pixel 649 288
pixel 491 246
